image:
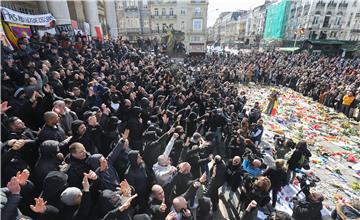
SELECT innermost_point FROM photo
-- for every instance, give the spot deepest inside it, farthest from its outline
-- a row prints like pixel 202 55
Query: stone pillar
pixel 91 15
pixel 59 9
pixel 43 7
pixel 111 20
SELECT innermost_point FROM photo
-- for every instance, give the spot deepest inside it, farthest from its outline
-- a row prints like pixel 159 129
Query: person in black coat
pixel 155 147
pixel 77 203
pixel 309 208
pixel 298 159
pixel 218 172
pixel 157 207
pixel 277 177
pixel 77 165
pixel 51 131
pixel 182 180
pixel 54 184
pixel 233 175
pixel 137 177
pixel 49 160
pixel 135 125
pixel 104 167
pixel 237 146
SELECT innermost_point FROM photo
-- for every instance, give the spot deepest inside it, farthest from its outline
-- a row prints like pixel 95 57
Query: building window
pixel 156 11
pixel 338 20
pixel 197 11
pixel 182 11
pixel 316 19
pixel 158 28
pixel 163 11
pixel 197 24
pixel 327 21
pixel 171 13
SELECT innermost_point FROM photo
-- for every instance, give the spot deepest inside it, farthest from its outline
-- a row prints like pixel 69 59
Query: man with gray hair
pixel 66 116
pixel 163 170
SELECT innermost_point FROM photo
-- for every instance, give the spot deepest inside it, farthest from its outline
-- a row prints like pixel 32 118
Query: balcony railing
pixel 320 4
pixel 332 5
pixel 131 8
pixel 164 16
pixel 130 30
pixel 156 2
pixel 198 1
pixel 197 14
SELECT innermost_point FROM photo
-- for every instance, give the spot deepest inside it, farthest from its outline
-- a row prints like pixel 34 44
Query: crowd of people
pixel 108 131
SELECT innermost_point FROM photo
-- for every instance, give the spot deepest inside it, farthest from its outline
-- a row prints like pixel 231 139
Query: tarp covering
pixel 276 19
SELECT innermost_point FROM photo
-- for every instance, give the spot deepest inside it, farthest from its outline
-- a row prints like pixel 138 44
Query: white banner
pixel 20 18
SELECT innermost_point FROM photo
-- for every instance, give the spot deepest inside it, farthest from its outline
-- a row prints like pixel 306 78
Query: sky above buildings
pixel 218 6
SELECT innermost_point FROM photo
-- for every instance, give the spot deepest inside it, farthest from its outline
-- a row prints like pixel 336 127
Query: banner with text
pixel 27 19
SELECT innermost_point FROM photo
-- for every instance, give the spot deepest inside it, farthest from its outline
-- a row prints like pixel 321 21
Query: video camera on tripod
pixel 306 182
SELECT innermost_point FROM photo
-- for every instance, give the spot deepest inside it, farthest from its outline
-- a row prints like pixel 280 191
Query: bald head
pixel 158 192
pixel 179 203
pixel 236 160
pixel 256 163
pixel 163 160
pixel 184 168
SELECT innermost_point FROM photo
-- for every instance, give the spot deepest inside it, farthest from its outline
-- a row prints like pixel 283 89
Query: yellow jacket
pixel 347 100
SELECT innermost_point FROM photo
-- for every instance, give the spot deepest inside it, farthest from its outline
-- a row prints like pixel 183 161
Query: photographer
pixel 309 208
pixel 250 164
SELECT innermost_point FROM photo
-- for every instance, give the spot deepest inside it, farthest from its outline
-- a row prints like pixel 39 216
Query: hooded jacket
pixel 47 162
pixel 136 175
pixel 54 183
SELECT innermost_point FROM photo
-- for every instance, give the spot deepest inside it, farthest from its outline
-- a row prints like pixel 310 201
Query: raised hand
pixel 127 204
pixel 4 107
pixel 14 185
pixel 125 188
pixel 162 207
pixel 85 183
pixel 203 178
pixel 187 213
pixel 171 216
pixel 40 205
pixel 23 176
pixel 175 135
pixel 91 175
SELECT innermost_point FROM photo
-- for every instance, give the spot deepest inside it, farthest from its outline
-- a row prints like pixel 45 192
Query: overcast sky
pixel 218 6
